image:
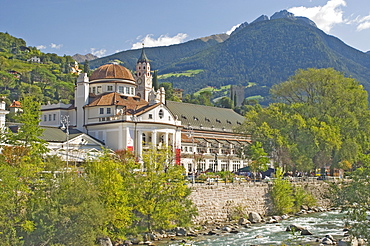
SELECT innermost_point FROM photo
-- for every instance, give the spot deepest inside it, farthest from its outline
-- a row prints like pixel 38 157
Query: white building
pixel 122 111
pixel 3 114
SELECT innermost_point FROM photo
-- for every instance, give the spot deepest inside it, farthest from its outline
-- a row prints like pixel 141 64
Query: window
pixel 127 90
pixel 94 90
pixel 132 91
pixel 45 117
pixel 49 117
pixel 150 116
pixel 110 88
pixel 161 113
pixel 101 111
pixel 54 117
pixel 120 89
pixel 99 89
pixel 109 110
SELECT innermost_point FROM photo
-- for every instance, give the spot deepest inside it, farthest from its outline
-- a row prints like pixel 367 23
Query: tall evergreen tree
pixel 87 67
pixel 155 80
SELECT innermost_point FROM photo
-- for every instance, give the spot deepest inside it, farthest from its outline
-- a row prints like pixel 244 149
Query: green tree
pixel 87 67
pixel 321 120
pixel 168 89
pixel 29 131
pixel 7 80
pixel 282 194
pixel 353 197
pixel 64 207
pixel 107 176
pixel 16 178
pixel 159 193
pixel 155 80
pixel 224 102
pixel 258 156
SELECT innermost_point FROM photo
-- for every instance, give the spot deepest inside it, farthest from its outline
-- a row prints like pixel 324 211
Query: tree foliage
pixel 159 194
pixel 354 198
pixel 322 119
pixel 19 76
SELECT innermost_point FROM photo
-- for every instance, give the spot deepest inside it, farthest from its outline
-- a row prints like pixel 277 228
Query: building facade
pixel 123 111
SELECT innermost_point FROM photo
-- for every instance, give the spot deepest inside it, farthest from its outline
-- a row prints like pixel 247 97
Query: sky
pixel 104 27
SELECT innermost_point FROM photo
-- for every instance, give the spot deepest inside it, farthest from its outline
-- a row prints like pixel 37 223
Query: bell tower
pixel 143 77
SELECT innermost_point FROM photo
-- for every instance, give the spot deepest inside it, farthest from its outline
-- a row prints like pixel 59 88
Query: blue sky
pixel 104 27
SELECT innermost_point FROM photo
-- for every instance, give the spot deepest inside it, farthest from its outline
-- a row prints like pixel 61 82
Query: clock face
pixel 139 81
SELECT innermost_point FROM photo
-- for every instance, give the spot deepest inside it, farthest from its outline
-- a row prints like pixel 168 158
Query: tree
pixel 29 131
pixel 7 80
pixel 168 90
pixel 107 174
pixel 155 80
pixel 322 119
pixel 353 197
pixel 224 102
pixel 16 179
pixel 258 157
pixel 64 207
pixel 87 67
pixel 159 194
pixel 282 194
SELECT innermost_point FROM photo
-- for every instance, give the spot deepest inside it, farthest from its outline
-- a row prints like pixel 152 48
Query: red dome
pixel 112 71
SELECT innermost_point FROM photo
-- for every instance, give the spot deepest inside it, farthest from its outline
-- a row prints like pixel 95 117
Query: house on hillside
pixel 120 110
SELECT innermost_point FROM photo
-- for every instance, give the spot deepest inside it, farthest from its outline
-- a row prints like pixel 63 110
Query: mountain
pixel 161 57
pixel 267 52
pixel 82 58
pixel 258 55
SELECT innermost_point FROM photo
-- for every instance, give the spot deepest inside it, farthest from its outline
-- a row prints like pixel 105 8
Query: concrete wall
pixel 217 202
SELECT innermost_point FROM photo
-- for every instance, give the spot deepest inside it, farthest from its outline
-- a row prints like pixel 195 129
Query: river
pixel 320 224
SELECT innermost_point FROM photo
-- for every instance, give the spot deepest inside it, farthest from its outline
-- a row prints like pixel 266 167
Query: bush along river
pixel 319 228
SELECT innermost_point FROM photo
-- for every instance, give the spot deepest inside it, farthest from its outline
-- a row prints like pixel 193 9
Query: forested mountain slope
pixel 268 52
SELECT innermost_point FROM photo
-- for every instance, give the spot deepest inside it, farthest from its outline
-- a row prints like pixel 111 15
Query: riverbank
pixel 220 202
pixel 311 228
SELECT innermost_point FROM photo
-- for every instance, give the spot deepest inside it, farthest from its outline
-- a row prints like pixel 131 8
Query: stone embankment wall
pixel 219 202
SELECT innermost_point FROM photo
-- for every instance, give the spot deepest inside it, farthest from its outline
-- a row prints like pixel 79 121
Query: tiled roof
pixel 205 117
pixel 15 104
pixel 129 102
pixel 111 71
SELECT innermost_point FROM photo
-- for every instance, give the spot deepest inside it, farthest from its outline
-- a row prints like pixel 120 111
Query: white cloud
pixel 163 40
pixel 56 46
pixel 41 47
pixel 364 23
pixel 232 29
pixel 98 53
pixel 325 16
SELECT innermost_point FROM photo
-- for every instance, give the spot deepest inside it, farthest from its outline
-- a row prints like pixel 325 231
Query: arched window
pixel 144 138
pixel 161 114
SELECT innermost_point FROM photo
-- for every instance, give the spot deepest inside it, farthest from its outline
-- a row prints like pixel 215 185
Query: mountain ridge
pixel 264 52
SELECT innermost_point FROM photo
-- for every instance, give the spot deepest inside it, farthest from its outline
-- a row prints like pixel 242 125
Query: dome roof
pixel 111 71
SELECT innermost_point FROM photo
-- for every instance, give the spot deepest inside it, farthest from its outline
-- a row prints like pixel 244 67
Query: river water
pixel 319 224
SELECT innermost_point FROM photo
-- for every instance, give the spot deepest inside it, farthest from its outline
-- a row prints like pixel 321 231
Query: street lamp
pixel 65 126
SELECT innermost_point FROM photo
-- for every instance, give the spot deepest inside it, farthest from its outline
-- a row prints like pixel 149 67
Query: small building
pixel 3 114
pixel 178 93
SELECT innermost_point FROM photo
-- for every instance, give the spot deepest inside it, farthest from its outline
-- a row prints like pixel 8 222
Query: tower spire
pixel 143 57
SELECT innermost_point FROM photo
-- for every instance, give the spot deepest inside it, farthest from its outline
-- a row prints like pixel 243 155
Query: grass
pixel 187 73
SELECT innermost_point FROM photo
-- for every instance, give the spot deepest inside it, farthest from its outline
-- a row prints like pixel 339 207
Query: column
pixel 154 138
pixel 139 143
